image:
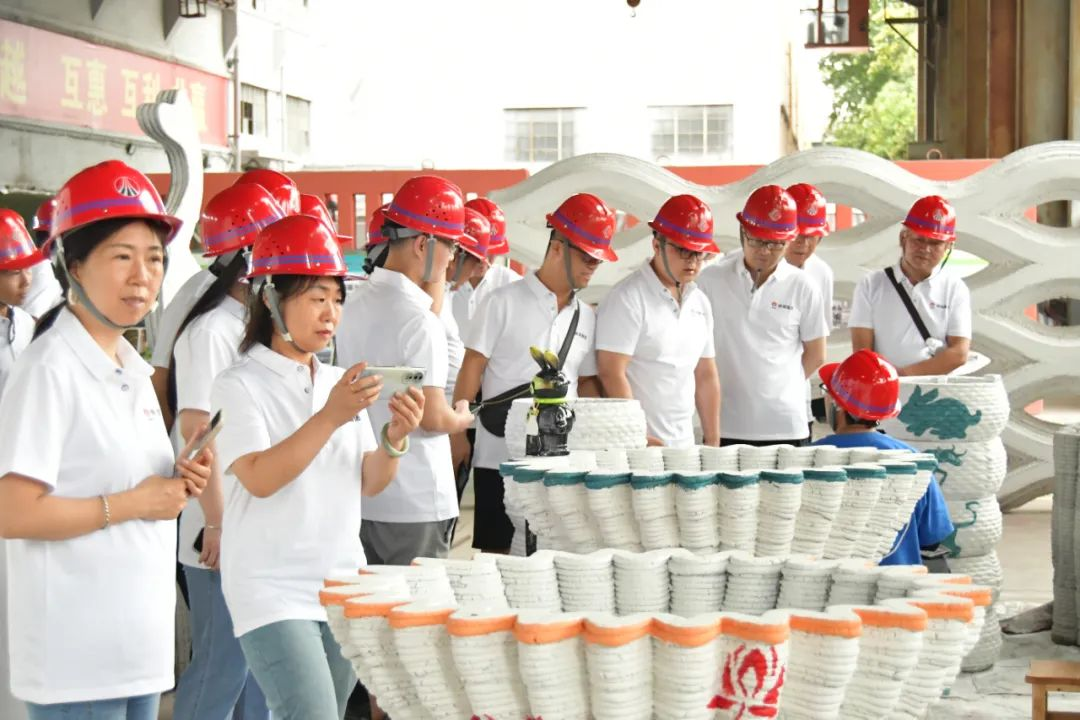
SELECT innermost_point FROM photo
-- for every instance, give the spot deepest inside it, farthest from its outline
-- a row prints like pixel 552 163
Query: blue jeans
pixel 301 670
pixel 144 707
pixel 217 681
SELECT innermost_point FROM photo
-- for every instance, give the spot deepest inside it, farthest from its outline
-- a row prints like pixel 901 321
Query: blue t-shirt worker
pixel 862 391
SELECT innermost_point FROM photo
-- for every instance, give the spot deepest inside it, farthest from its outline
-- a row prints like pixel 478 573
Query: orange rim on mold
pixel 616 636
pixel 405 619
pixel 328 597
pixel 877 617
pixel 372 609
pixel 768 634
pixel 831 626
pixel 945 610
pixel 981 596
pixel 471 627
pixel 683 636
pixel 543 633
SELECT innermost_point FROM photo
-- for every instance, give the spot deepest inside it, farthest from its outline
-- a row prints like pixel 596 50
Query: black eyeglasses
pixel 688 255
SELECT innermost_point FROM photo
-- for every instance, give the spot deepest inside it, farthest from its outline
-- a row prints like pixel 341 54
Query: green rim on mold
pixel 646 481
pixel 784 477
pixel 734 481
pixel 865 472
pixel 553 478
pixel 824 475
pixel 601 480
pixel 695 481
pixel 900 467
pixel 526 474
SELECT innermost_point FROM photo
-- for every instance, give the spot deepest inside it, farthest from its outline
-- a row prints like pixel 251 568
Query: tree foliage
pixel 874 105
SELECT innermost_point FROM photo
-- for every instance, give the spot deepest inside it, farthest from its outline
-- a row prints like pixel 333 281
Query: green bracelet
pixel 390 449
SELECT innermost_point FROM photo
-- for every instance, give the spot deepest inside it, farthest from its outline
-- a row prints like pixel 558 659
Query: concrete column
pixel 1001 108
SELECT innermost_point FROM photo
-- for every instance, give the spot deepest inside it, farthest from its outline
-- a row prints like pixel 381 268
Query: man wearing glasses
pixel 392 324
pixel 654 330
pixel 543 311
pixel 769 327
pixel 915 314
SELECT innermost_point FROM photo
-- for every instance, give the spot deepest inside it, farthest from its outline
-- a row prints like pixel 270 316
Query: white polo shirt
pixel 943 300
pixel 275 551
pixel 11 347
pixel 639 317
pixel 759 338
pixel 513 319
pixel 821 275
pixel 172 316
pixel 90 618
pixel 455 348
pixel 466 300
pixel 205 349
pixel 394 325
pixel 45 290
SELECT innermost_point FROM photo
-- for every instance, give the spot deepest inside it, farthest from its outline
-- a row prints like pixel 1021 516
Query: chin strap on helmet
pixel 568 265
pixel 76 289
pixel 459 270
pixel 667 267
pixel 273 302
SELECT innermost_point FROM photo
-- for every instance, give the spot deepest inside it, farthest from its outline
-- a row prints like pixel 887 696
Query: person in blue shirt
pixel 860 392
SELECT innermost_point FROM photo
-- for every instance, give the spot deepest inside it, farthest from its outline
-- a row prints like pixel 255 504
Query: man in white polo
pixel 654 331
pixel 467 298
pixel 542 311
pixel 933 336
pixel 769 327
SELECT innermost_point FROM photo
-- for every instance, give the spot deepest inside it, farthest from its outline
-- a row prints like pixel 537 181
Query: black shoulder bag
pixel 493 412
pixel 906 299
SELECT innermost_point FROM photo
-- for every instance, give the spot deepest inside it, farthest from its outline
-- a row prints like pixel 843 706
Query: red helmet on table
pixel 588 224
pixel 770 214
pixel 932 217
pixel 499 244
pixel 865 385
pixel 687 222
pixel 280 185
pixel 233 218
pixel 812 211
pixel 17 248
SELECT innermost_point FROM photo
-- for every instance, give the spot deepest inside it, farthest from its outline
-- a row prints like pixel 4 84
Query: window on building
pixel 692 132
pixel 539 134
pixel 298 117
pixel 252 110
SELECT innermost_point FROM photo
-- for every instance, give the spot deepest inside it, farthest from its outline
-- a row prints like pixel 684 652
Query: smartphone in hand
pixel 397 379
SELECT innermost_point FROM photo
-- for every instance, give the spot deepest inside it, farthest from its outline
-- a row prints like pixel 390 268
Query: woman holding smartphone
pixel 89 491
pixel 217 680
pixel 298 452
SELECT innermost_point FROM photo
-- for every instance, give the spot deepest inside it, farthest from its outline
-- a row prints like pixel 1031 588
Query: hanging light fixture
pixel 192 8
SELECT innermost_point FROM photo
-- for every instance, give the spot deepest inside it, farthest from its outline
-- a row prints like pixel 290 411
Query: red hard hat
pixel 770 214
pixel 686 222
pixel 499 245
pixel 477 234
pixel 314 206
pixel 281 186
pixel 810 205
pixel 297 245
pixel 430 205
pixel 17 249
pixel 865 385
pixel 932 217
pixel 233 218
pixel 44 216
pixel 588 224
pixel 106 191
pixel 374 227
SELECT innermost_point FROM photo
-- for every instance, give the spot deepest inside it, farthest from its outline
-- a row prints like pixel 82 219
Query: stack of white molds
pixel 428 581
pixel 610 500
pixel 525 483
pixel 653 501
pixel 959 419
pixel 612 460
pixel 889 646
pixel 804 583
pixel 1063 534
pixel 862 455
pixel 685 667
pixel 697 582
pixel 886 519
pixel 333 597
pixel 752 457
pixel 682 460
pixel 599 424
pixel 753 584
pixel 473 581
pixel 830 456
pixel 981 598
pixel 897 581
pixel 646 459
pixel 486 652
pixel 566 501
pixel 530 583
pixel 642 584
pixel 753 663
pixel 618 654
pixel 779 499
pixel 822 654
pixel 551 658
pixel 586 582
pixel 943 643
pixel 854 582
pixel 371 634
pixel 789 457
pixel 719 459
pixel 423 647
pixel 861 493
pixel 822 494
pixel 737 502
pixel 696 508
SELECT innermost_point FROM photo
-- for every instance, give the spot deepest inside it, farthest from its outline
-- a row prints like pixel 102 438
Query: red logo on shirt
pixel 781 306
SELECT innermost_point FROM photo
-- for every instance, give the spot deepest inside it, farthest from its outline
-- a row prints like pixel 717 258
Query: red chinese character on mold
pixel 750 685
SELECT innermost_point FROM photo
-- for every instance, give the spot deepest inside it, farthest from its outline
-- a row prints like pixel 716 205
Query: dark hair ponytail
pixel 78 244
pixel 259 329
pixel 210 299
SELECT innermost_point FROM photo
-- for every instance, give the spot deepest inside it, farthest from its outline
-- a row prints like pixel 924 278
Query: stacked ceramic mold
pixel 960 420
pixel 768 501
pixel 427 653
pixel 1063 535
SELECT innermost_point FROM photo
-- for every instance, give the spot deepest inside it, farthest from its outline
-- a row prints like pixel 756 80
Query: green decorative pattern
pixel 946 418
